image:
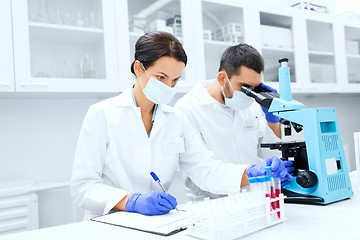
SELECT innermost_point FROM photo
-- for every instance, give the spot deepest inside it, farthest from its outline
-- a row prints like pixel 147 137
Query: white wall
pixel 38 140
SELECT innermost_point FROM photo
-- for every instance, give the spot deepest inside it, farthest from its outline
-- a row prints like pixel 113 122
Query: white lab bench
pixel 334 221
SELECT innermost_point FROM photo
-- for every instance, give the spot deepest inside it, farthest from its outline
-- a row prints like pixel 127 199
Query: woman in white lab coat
pixel 126 137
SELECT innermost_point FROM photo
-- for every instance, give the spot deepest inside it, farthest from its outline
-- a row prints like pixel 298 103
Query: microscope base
pixel 293 197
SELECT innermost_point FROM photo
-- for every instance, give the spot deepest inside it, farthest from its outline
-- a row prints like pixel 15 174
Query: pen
pixel 157 179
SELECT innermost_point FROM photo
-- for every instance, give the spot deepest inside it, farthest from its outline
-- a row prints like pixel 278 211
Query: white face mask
pixel 156 91
pixel 239 99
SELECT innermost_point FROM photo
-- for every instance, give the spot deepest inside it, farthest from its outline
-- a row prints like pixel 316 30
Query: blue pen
pixel 157 179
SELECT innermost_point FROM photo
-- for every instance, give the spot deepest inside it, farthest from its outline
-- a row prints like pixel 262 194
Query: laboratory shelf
pixel 57 84
pixel 321 58
pixel 278 49
pixel 275 20
pixel 4 84
pixel 58 95
pixel 353 63
pixel 321 53
pixel 136 35
pixel 219 10
pixel 65 27
pixel 64 34
pixel 353 56
pixel 62 79
pixel 219 43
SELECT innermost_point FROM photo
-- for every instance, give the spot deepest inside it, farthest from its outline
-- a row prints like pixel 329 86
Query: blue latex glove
pixel 279 168
pixel 289 169
pixel 151 203
pixel 268 115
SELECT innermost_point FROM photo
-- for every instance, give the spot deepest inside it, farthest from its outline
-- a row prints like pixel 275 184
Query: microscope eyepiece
pixel 283 60
pixel 245 89
pixel 261 95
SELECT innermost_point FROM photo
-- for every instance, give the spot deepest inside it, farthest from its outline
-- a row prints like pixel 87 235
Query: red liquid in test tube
pixel 277 186
pixel 273 195
pixel 272 190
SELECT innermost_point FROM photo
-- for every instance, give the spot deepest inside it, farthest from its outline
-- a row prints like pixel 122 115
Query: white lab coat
pixel 115 156
pixel 233 136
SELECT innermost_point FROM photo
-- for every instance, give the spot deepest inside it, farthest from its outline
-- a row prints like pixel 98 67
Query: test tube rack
pixel 233 216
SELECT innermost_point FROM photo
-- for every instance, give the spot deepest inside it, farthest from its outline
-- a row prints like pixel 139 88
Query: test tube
pixel 267 185
pixel 253 184
pixel 261 183
pixel 277 187
pixel 268 172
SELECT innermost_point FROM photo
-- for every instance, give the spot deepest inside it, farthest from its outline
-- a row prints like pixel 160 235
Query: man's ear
pixel 221 78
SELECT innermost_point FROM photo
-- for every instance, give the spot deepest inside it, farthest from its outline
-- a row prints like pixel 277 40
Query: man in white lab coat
pixel 231 124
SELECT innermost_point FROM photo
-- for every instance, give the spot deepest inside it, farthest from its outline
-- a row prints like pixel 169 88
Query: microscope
pixel 321 175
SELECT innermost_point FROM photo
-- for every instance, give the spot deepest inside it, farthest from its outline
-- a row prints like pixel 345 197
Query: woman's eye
pixel 161 77
pixel 175 80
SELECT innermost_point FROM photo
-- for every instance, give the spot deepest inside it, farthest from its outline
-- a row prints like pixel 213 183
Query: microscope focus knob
pixel 306 179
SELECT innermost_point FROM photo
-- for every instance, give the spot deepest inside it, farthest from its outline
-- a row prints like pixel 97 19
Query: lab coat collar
pixel 165 108
pixel 207 100
pixel 160 118
pixel 203 94
pixel 126 100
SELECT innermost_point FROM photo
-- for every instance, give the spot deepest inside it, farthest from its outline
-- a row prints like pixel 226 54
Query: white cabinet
pixel 222 27
pixel 65 46
pixel 314 43
pixel 277 41
pixel 352 38
pixel 320 36
pixel 351 30
pixel 279 33
pixel 6 48
pixel 323 50
pixel 88 45
pixel 174 16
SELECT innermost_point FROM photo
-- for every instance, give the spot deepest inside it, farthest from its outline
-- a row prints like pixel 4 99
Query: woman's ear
pixel 137 67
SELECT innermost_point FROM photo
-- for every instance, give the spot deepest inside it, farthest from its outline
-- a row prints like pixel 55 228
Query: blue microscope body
pixel 321 174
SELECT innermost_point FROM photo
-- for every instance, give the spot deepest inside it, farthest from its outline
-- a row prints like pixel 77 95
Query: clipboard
pixel 164 225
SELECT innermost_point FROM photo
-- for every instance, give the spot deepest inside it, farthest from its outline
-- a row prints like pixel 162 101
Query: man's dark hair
pixel 154 45
pixel 241 55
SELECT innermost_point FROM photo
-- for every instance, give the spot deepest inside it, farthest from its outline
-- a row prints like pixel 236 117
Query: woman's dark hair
pixel 154 45
pixel 241 55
